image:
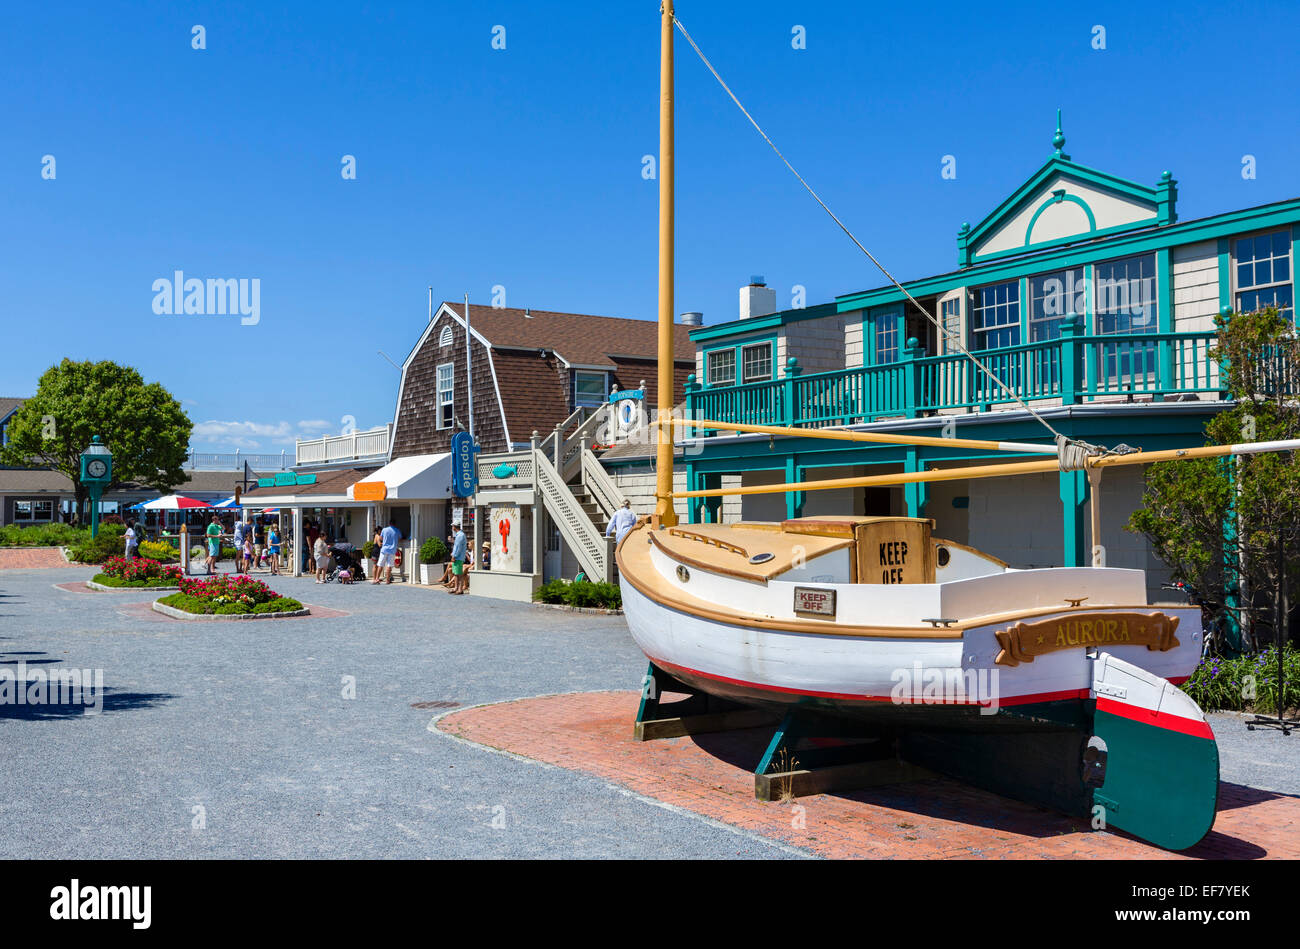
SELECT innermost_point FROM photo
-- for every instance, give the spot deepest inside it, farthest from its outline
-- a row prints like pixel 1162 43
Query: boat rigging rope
pixel 1067 449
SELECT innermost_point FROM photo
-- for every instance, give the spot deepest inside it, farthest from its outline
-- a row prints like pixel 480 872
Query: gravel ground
pixel 235 739
pixel 243 728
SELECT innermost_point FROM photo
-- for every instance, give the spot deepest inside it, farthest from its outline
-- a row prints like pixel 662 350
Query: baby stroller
pixel 345 558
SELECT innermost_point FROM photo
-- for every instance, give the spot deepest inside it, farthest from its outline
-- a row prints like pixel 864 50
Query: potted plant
pixel 433 552
pixel 370 550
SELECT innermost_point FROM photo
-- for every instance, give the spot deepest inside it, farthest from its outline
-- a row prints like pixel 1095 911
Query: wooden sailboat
pixel 1057 685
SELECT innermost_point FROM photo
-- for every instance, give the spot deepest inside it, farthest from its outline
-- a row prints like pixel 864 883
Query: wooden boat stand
pixel 852 758
pixel 697 714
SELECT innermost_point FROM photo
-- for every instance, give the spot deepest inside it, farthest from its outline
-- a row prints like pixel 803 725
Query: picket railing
pixel 1071 370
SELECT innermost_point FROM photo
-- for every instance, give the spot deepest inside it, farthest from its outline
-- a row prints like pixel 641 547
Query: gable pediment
pixel 1065 202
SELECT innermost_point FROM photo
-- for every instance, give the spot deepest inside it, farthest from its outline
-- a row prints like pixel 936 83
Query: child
pixel 248 552
pixel 345 576
pixel 274 538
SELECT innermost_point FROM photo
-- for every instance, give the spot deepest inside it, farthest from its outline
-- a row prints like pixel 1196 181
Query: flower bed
pixel 226 595
pixel 140 572
pixel 1245 683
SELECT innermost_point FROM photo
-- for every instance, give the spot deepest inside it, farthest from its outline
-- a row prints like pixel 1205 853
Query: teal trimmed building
pixel 1085 296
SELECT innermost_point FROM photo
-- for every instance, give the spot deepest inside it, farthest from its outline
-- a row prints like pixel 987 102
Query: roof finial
pixel 1058 140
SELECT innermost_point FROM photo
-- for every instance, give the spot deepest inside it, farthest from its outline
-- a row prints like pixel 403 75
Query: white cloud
pixel 248 435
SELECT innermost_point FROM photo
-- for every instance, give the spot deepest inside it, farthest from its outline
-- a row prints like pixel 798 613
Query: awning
pixel 413 478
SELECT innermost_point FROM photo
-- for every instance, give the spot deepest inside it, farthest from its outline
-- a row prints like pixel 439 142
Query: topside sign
pixel 464 473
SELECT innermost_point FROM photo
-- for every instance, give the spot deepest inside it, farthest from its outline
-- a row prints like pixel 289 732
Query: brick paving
pixel 31 558
pixel 712 775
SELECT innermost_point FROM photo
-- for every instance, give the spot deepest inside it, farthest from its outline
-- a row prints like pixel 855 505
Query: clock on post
pixel 96 474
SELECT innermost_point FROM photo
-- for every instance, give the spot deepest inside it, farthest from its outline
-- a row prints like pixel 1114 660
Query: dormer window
pixel 590 388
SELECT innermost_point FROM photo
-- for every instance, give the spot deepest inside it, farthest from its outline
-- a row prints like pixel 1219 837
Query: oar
pixel 994 471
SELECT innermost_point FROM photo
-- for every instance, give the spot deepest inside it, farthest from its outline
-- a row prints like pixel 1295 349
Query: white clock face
pixel 96 469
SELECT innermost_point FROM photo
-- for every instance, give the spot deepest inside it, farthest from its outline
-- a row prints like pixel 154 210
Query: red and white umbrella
pixel 172 502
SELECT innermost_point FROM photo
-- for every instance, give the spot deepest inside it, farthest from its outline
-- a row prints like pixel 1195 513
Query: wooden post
pixel 790 413
pixel 1071 331
pixel 912 377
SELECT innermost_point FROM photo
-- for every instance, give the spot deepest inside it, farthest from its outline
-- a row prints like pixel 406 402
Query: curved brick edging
pixel 107 589
pixel 181 614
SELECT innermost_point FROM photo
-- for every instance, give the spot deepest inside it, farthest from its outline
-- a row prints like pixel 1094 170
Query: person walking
pixel 320 557
pixel 459 547
pixel 132 540
pixel 313 532
pixel 389 539
pixel 213 534
pixel 623 521
pixel 273 539
pixel 259 542
pixel 238 533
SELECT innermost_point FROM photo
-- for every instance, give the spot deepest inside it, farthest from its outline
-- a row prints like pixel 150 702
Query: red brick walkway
pixel 713 775
pixel 31 558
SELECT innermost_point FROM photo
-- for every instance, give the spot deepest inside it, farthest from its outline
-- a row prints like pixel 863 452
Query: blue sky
pixel 521 167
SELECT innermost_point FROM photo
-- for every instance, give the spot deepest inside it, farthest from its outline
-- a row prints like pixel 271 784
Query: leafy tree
pixel 1188 504
pixel 142 424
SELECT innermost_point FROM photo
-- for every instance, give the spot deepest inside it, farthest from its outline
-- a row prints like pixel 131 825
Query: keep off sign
pixel 464 476
pixel 813 601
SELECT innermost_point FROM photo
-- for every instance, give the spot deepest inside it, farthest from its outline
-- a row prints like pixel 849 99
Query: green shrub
pixel 581 593
pixel 43 535
pixel 550 592
pixel 370 550
pixel 281 604
pixel 108 544
pixel 433 550
pixel 1246 682
pixel 154 550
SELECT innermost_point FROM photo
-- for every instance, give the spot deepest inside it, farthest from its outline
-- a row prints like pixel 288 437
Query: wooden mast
pixel 664 515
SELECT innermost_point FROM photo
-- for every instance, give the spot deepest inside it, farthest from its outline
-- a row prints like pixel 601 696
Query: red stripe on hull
pixel 1165 720
pixel 855 697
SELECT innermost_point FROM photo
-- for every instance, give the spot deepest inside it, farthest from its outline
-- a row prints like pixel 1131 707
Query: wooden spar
pixel 664 514
pixel 881 437
pixel 994 471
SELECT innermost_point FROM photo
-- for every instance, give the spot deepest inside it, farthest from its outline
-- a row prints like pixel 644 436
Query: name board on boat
pixel 811 601
pixel 1023 641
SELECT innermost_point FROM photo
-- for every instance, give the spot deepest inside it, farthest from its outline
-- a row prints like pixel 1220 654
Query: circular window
pixel 762 558
pixel 683 574
pixel 944 556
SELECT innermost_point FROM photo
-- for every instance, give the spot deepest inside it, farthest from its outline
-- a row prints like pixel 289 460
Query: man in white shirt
pixel 132 542
pixel 622 522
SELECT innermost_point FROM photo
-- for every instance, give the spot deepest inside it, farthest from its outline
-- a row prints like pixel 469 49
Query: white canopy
pixel 413 478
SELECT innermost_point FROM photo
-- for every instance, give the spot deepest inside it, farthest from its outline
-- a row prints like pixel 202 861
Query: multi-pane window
pixel 1126 295
pixel 33 510
pixel 1264 272
pixel 995 321
pixel 720 367
pixel 886 338
pixel 446 395
pixel 589 388
pixel 756 362
pixel 950 319
pixel 1052 297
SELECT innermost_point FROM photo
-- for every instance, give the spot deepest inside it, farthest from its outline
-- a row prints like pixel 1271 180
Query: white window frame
pixel 439 402
pixel 604 379
pixel 1238 289
pixel 708 366
pixel 771 362
pixel 952 316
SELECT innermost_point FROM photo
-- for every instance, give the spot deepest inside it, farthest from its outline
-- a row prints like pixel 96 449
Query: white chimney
pixel 757 299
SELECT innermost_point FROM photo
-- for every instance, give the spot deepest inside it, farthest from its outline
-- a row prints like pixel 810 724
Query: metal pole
pixel 664 514
pixel 469 370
